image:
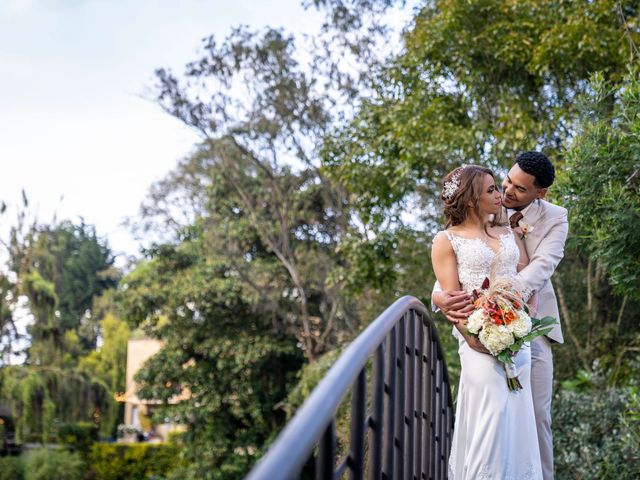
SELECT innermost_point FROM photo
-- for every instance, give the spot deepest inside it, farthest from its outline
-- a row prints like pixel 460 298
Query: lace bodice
pixel 475 258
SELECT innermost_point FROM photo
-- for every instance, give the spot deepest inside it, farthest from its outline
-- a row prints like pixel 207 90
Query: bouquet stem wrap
pixel 512 376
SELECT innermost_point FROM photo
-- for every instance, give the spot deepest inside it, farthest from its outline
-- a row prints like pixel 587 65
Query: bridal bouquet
pixel 502 323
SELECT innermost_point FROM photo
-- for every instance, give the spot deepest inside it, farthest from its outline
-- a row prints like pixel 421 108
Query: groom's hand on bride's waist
pixel 456 305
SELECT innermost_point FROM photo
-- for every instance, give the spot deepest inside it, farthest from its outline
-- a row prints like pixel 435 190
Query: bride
pixel 495 433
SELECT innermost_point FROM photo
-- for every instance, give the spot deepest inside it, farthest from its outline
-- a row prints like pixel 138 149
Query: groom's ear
pixel 542 193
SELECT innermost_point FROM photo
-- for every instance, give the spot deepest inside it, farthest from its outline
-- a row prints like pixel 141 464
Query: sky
pixel 76 131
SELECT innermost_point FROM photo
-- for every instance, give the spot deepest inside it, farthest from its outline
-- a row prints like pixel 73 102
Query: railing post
pixel 326 453
pixel 409 387
pixel 377 419
pixel 399 422
pixel 433 395
pixel 389 444
pixel 417 356
pixel 358 407
pixel 439 423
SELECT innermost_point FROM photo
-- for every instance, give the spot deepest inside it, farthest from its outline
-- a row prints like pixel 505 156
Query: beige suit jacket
pixel 545 246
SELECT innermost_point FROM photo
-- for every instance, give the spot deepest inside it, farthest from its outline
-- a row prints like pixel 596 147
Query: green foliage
pixel 60 268
pixel 8 329
pixel 601 329
pixel 109 363
pixel 11 468
pixel 277 227
pixel 45 464
pixel 227 354
pixel 601 181
pixel 598 282
pixel 593 435
pixel 109 461
pixel 270 257
pixel 308 377
pixel 630 420
pixel 40 397
pixel 78 436
pixel 477 82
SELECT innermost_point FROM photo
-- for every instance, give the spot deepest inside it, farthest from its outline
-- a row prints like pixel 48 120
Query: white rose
pixel 521 325
pixel 496 338
pixel 475 321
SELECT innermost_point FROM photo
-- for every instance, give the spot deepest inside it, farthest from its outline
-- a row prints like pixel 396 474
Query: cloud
pixel 18 6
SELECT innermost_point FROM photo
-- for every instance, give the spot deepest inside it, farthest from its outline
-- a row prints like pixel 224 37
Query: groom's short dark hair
pixel 538 165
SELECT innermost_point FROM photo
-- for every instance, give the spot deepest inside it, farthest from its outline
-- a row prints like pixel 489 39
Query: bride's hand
pixel 455 304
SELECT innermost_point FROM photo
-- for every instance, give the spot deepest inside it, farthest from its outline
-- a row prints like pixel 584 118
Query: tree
pixel 601 181
pixel 478 81
pixel 219 346
pixel 60 269
pixel 598 285
pixel 40 398
pixel 249 274
pixel 257 165
pixel 109 362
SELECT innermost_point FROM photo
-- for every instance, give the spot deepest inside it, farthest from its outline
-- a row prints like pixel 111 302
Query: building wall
pixel 138 352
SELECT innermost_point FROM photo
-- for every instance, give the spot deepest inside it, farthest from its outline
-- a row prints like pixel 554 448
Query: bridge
pixel 401 420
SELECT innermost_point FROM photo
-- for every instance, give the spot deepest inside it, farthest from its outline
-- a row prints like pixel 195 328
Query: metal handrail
pixel 399 420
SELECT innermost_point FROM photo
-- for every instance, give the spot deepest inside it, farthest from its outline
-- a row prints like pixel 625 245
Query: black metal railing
pixel 409 421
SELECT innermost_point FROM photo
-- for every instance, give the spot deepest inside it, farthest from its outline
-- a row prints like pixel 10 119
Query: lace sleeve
pixel 453 240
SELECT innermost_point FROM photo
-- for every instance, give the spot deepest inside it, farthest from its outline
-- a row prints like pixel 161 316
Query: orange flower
pixel 509 317
pixel 496 316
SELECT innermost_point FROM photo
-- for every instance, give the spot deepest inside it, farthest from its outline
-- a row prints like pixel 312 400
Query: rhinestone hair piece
pixel 451 186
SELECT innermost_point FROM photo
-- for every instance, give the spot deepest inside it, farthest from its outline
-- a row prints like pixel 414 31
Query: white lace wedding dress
pixel 495 431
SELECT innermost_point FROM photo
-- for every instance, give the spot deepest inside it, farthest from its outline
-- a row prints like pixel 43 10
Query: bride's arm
pixel 444 263
pixel 443 259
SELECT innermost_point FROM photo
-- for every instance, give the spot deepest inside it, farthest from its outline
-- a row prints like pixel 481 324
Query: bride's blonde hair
pixel 462 187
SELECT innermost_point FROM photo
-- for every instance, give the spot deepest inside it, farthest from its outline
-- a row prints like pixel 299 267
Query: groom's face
pixel 519 189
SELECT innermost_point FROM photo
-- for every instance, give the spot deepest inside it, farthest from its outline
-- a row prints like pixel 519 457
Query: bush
pixel 45 464
pixel 595 433
pixel 11 468
pixel 78 436
pixel 120 461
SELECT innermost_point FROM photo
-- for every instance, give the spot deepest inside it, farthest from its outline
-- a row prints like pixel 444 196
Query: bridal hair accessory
pixel 451 185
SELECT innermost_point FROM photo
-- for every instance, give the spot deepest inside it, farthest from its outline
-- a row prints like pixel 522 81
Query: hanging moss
pixel 40 398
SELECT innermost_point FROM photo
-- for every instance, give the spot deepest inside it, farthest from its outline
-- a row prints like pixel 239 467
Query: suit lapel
pixel 531 217
pixel 532 214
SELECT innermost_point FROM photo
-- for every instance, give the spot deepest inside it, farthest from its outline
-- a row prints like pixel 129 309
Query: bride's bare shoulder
pixel 441 241
pixel 455 229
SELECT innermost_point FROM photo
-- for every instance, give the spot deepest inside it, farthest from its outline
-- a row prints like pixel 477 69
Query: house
pixel 137 412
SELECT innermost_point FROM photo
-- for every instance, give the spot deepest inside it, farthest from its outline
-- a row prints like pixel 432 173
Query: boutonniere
pixel 525 228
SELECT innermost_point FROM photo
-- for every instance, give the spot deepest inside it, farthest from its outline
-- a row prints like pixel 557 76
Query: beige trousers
pixel 541 387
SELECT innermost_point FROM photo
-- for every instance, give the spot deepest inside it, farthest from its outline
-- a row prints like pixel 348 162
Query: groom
pixel 544 227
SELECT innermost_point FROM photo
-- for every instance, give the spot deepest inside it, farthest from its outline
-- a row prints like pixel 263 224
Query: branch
pixel 619 321
pixel 332 316
pixel 289 264
pixel 567 321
